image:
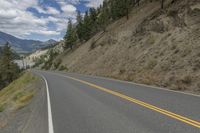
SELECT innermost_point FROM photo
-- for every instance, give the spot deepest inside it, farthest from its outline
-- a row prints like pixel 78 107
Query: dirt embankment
pixel 156 47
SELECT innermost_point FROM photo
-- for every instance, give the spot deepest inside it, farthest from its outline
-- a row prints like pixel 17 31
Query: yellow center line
pixel 149 106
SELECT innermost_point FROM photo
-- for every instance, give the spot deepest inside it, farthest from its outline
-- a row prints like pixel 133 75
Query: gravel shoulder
pixel 30 117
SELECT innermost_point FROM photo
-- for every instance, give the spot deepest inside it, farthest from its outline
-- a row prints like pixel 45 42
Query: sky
pixel 40 19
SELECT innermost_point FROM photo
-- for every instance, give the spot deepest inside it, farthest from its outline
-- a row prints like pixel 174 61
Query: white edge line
pixel 50 120
pixel 138 84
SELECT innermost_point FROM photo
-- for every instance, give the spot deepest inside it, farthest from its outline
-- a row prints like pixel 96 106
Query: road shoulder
pixel 29 118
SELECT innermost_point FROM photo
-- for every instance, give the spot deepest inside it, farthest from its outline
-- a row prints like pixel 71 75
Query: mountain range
pixel 24 45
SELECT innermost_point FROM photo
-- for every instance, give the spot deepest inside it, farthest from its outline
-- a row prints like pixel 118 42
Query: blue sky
pixel 40 19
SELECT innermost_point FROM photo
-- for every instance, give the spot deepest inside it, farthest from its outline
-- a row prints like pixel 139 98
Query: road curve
pixel 86 104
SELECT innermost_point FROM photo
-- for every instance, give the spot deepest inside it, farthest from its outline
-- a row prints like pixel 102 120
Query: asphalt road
pixel 86 104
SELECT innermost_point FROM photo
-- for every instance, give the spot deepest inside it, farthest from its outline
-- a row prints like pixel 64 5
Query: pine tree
pixel 138 2
pixel 70 37
pixel 113 9
pixel 79 18
pixel 8 70
pixel 120 8
pixel 86 26
pixel 93 22
pixel 104 16
pixel 79 27
pixel 128 6
pixel 162 4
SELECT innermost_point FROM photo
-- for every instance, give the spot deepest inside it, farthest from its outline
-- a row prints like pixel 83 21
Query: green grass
pixel 2 107
pixel 18 93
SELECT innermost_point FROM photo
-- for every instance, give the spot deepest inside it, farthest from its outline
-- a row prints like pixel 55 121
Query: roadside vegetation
pixel 18 93
pixel 9 71
pixel 14 91
pixel 49 62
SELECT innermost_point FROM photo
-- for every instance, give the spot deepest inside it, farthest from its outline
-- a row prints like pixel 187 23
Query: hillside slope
pixel 156 47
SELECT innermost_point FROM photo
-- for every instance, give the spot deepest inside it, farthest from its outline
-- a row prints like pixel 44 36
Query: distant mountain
pixel 23 45
pixel 49 42
pixel 14 54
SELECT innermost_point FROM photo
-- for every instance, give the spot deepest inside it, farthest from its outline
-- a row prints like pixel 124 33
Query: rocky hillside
pixel 155 47
pixel 42 55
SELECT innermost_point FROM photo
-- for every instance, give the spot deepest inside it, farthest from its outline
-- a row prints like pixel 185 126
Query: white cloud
pixel 52 10
pixel 40 10
pixel 8 13
pixel 73 2
pixel 47 32
pixel 68 8
pixel 94 3
pixel 16 20
pixel 89 3
pixel 52 19
pixel 49 10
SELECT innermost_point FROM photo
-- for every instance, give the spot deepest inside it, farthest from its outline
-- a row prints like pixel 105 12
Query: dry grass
pixel 25 98
pixel 151 40
pixel 151 64
pixel 18 93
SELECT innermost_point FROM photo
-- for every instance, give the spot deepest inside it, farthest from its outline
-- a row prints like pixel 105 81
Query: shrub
pixel 172 13
pixel 165 66
pixel 2 107
pixel 150 40
pixel 183 83
pixel 26 98
pixel 18 95
pixel 186 79
pixel 57 63
pixel 151 64
pixel 198 86
pixel 63 68
pixel 92 45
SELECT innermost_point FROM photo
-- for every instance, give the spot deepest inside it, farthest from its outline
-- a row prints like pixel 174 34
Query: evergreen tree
pixel 87 26
pixel 8 70
pixel 79 27
pixel 113 9
pixel 93 21
pixel 70 37
pixel 128 6
pixel 104 16
pixel 79 18
pixel 162 4
pixel 120 8
pixel 138 2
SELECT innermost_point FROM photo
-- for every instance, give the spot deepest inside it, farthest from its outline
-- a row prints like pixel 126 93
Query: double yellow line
pixel 149 106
